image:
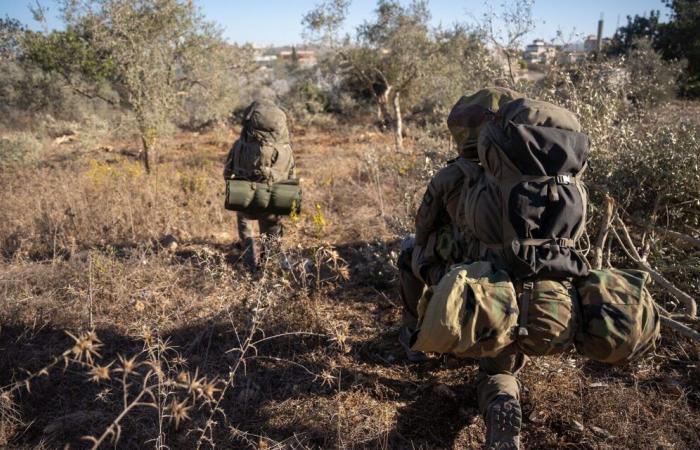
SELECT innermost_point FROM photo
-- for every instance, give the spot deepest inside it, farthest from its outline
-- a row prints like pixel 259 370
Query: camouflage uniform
pixel 437 243
pixel 269 225
pixel 265 130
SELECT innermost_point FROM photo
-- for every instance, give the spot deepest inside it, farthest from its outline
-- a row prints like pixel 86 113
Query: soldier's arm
pixel 228 165
pixel 427 218
pixel 283 163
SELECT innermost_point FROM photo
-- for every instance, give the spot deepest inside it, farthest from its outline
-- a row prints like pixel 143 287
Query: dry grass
pixel 302 356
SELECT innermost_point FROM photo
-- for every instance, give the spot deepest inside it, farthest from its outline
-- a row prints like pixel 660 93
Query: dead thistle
pixel 86 347
pixel 100 373
pixel 179 411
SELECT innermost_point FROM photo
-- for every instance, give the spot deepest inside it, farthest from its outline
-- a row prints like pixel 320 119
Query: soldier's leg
pixel 246 234
pixel 498 390
pixel 410 287
pixel 270 233
pixel 410 290
pixel 271 225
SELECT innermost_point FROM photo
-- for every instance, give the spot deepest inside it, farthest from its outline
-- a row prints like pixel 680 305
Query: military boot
pixel 405 341
pixel 503 421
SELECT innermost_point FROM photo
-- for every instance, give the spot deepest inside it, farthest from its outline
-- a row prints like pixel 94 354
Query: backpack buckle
pixel 563 179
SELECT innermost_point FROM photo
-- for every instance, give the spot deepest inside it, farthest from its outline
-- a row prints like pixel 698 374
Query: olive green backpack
pixel 260 166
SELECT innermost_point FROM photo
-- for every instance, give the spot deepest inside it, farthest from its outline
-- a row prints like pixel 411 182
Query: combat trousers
pixel 269 225
pixel 498 376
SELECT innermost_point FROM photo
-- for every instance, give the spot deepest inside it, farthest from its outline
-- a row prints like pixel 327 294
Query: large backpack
pixel 263 152
pixel 529 208
pixel 259 170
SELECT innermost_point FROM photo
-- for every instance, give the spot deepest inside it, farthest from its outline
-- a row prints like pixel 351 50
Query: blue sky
pixel 266 22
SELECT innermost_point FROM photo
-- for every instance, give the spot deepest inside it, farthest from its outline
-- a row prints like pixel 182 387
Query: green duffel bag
pixel 550 318
pixel 263 198
pixel 471 313
pixel 619 319
pixel 285 197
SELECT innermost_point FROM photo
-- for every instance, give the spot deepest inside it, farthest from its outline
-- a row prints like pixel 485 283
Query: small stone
pixel 576 426
pixel 601 432
pixel 444 391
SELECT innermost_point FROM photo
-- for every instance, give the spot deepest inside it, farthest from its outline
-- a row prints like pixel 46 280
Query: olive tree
pixel 506 28
pixel 157 51
pixel 390 54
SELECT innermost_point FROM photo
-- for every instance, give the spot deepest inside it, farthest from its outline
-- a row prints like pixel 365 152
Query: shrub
pixel 659 166
pixel 19 149
pixel 652 79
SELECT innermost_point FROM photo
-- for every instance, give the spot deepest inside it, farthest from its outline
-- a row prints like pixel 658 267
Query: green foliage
pixel 306 98
pixel 678 39
pixel 641 162
pixel 68 52
pixel 157 51
pixel 652 80
pixel 11 31
pixel 638 27
pixel 659 168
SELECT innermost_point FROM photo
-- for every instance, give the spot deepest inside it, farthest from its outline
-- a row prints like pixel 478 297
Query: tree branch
pixel 603 232
pixel 680 328
pixel 632 252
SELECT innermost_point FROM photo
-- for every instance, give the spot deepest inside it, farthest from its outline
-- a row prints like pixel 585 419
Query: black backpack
pixel 528 209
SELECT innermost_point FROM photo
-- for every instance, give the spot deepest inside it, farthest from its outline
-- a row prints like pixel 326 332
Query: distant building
pixel 306 58
pixel 265 58
pixel 590 45
pixel 571 57
pixel 539 52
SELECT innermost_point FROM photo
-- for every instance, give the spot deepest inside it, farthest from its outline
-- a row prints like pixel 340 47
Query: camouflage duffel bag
pixel 619 319
pixel 279 198
pixel 471 313
pixel 549 317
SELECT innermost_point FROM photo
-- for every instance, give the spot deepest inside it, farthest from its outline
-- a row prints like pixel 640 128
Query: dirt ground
pixel 140 263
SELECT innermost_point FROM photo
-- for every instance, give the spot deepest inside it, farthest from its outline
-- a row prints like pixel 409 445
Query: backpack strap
pixel 524 305
pixel 548 242
pixel 469 171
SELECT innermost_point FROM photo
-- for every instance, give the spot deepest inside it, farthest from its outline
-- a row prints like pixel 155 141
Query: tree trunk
pixel 148 153
pixel 383 103
pixel 398 122
pixel 510 67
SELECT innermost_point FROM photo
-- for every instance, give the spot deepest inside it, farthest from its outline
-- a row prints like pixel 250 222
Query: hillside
pixel 303 355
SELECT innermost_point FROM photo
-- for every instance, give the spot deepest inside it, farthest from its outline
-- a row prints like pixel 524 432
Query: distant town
pixel 534 57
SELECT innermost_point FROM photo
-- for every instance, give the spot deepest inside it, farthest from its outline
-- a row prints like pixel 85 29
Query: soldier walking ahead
pixel 262 154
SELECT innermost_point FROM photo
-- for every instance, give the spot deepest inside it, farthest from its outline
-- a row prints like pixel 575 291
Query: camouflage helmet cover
pixel 468 114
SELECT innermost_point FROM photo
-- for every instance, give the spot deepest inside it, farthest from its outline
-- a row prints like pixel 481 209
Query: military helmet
pixel 468 114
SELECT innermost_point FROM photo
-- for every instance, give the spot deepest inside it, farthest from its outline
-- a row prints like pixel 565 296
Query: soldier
pixel 262 153
pixel 439 241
